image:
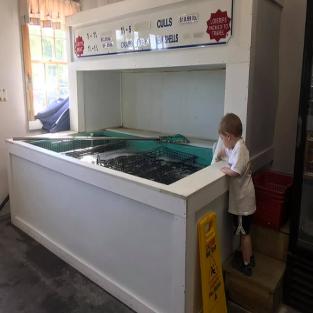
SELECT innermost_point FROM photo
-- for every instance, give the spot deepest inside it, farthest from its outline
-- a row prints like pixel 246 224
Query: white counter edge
pixel 174 196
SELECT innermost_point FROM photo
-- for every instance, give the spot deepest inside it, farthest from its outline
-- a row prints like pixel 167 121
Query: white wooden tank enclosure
pixel 149 68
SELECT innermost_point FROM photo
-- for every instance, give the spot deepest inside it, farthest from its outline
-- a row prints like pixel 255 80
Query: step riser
pixel 260 293
pixel 251 297
pixel 270 242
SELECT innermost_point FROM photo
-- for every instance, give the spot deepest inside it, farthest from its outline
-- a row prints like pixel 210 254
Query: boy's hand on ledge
pixel 227 171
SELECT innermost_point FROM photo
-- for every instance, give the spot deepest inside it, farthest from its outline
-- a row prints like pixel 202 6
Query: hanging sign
pixel 195 24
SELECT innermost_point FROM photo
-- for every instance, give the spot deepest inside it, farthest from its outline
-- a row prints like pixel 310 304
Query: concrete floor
pixel 33 280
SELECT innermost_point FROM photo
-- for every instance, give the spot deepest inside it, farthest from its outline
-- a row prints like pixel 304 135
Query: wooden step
pixel 235 308
pixel 270 242
pixel 260 293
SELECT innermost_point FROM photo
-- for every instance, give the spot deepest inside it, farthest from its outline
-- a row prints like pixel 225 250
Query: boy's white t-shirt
pixel 241 189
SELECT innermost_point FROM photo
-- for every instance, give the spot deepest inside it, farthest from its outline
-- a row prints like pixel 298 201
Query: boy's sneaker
pixel 239 265
pixel 246 269
pixel 238 257
pixel 252 260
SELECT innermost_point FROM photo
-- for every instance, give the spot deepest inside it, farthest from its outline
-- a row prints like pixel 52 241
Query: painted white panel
pixel 164 197
pixel 131 245
pixel 263 85
pixel 76 95
pixel 290 65
pixel 236 91
pixel 186 102
pixel 101 99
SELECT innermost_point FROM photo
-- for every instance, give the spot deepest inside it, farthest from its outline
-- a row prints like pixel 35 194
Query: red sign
pixel 218 25
pixel 79 46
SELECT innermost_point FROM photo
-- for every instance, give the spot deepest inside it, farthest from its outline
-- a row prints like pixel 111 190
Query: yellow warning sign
pixel 213 294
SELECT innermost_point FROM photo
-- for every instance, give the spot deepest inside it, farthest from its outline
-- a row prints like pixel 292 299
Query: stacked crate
pixel 272 192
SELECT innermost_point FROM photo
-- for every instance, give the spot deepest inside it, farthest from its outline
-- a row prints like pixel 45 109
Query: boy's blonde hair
pixel 230 124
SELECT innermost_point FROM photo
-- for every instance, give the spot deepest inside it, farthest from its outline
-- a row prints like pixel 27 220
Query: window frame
pixel 28 69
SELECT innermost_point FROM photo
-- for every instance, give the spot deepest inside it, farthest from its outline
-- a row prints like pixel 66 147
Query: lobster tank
pixel 135 237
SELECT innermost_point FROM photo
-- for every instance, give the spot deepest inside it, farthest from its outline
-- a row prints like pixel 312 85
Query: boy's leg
pixel 245 240
pixel 242 226
pixel 246 248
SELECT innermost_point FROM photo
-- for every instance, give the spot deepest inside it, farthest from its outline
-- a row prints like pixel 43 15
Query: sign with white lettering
pixel 196 24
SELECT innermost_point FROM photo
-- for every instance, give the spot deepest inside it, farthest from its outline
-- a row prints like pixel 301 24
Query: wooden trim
pixel 50 62
pixel 28 72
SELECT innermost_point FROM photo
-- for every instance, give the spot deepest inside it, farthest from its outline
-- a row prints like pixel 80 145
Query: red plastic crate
pixel 272 191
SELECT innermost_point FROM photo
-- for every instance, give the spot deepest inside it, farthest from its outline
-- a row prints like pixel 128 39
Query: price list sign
pixel 196 24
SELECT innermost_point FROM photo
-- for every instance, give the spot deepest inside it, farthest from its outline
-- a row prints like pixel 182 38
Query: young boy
pixel 241 189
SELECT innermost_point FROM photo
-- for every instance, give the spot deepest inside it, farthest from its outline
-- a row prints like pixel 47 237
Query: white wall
pixel 90 4
pixel 290 66
pixel 186 102
pixel 101 99
pixel 264 71
pixel 12 112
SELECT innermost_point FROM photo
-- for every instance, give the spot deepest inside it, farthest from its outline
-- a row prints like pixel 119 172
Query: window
pixel 44 51
pixel 48 64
